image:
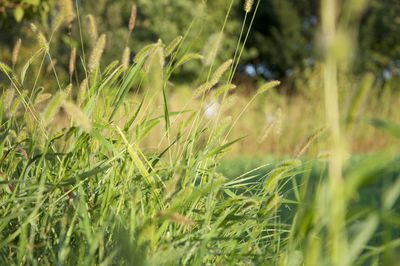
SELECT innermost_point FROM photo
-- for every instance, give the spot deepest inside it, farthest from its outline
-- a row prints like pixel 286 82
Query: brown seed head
pixel 15 52
pixel 72 61
pixel 132 19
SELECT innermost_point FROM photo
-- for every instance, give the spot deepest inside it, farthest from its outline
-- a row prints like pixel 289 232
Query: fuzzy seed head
pixel 8 97
pixel 77 116
pixel 92 28
pixel 214 79
pixel 82 91
pixel 221 70
pixel 203 89
pixel 67 8
pixel 5 69
pixel 132 19
pixel 72 62
pixel 173 45
pixel 96 54
pixel 125 58
pixel 58 21
pixel 267 86
pixel 212 48
pixel 15 52
pixel 224 88
pixel 248 5
pixel 41 39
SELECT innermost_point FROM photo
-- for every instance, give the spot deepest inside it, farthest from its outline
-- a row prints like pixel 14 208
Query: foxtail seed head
pixel 248 5
pixel 132 19
pixel 40 38
pixel 221 70
pixel 125 58
pixel 72 61
pixel 92 28
pixel 15 52
pixel 68 9
pixel 97 52
pixel 269 85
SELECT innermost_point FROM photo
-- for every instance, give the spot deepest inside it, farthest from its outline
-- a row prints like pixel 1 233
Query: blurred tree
pixel 165 20
pixel 281 43
pixel 380 38
pixel 283 35
pixel 12 11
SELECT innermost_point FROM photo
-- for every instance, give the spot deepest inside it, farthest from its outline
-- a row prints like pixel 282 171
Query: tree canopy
pixel 283 33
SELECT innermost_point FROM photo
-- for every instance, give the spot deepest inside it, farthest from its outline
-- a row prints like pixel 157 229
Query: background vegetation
pixel 282 42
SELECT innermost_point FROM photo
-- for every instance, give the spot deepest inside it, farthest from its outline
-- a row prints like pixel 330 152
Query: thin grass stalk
pixel 245 40
pixel 198 117
pixel 237 47
pixel 337 203
pixel 220 35
pixel 235 65
pixel 81 39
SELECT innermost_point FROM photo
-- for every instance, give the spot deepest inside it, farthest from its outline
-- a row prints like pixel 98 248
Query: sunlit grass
pixel 119 166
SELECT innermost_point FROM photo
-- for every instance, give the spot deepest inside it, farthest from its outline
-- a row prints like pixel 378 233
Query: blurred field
pixel 277 124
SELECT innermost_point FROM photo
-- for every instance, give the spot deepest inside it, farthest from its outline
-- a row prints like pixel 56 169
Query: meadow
pixel 121 163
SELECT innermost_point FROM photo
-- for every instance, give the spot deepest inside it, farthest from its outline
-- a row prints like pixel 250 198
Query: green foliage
pixel 79 187
pixel 284 36
pixel 380 36
pixel 19 10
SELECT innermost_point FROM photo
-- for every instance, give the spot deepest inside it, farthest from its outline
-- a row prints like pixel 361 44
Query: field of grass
pixel 118 166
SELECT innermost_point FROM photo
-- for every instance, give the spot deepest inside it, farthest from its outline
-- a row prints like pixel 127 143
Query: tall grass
pixel 81 182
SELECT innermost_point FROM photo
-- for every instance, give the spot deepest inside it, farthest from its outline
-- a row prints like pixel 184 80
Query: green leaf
pixel 391 195
pixel 365 232
pixel 18 13
pixel 32 2
pixel 390 127
pixel 223 148
pixel 188 57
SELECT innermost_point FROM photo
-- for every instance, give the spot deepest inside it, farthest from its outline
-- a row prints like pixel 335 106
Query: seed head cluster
pixel 248 5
